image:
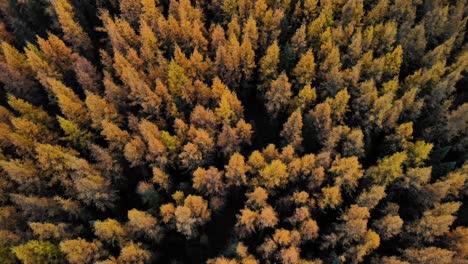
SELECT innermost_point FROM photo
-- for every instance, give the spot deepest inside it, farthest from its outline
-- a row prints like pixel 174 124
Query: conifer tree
pixel 305 69
pixel 269 63
pixel 236 131
pixel 292 130
pixel 278 95
pixel 72 31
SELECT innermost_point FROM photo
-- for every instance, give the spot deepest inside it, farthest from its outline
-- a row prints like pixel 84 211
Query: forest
pixel 233 131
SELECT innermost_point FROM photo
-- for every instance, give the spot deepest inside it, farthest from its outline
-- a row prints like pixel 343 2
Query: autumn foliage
pixel 233 131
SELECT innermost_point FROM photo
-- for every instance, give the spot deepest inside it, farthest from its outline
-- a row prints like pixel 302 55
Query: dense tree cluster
pixel 233 131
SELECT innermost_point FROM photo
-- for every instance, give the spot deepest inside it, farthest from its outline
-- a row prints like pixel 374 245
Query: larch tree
pixel 143 223
pixel 330 70
pixel 81 251
pixel 209 182
pixel 274 175
pixel 109 231
pixel 73 32
pixel 247 57
pixel 36 251
pixel 278 95
pixel 269 63
pixel 304 71
pixel 236 170
pixel 17 73
pixel 134 253
pixel 428 255
pixel 347 172
pixel 70 104
pixel 298 132
pixel 388 168
pixel 192 214
pixel 292 130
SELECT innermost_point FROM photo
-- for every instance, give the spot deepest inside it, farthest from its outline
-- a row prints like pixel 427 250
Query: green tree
pixel 35 251
pixel 388 168
pixel 73 132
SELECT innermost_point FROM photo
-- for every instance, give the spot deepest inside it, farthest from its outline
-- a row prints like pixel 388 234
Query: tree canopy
pixel 233 131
